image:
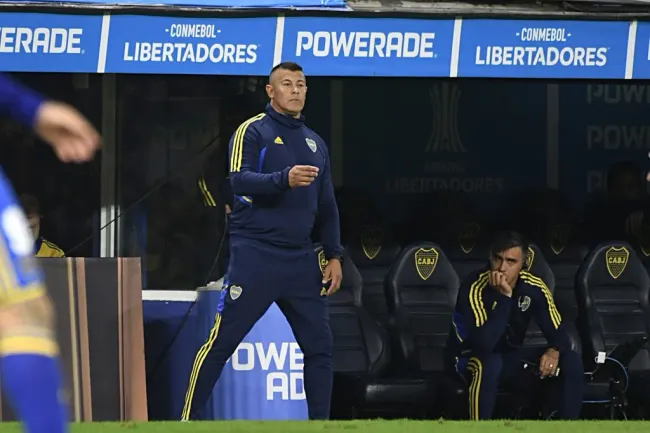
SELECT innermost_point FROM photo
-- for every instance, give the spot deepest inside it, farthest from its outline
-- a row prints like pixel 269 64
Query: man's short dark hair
pixel 287 66
pixel 505 240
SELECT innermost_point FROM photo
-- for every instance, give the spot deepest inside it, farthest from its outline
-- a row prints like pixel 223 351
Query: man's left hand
pixel 333 273
pixel 548 363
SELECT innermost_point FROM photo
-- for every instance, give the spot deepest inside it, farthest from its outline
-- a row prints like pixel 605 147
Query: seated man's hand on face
pixel 499 281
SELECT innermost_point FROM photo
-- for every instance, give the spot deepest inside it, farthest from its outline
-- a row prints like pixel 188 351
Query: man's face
pixel 34 224
pixel 288 91
pixel 508 262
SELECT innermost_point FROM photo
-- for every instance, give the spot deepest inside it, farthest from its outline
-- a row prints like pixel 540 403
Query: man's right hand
pixel 498 281
pixel 302 175
pixel 71 135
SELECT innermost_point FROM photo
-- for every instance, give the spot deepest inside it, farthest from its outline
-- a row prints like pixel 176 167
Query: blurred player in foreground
pixel 29 363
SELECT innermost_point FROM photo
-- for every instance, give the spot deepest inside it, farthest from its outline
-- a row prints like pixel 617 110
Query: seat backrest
pixel 467 260
pixel 361 346
pixel 466 247
pixel 421 290
pixel 536 264
pixel 612 289
pixel 564 263
pixel 373 253
pixel 644 255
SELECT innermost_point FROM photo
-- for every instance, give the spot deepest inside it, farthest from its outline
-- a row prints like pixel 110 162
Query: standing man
pixel 492 314
pixel 29 360
pixel 280 177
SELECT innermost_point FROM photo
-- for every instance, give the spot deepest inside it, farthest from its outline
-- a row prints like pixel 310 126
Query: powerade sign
pixel 282 364
pixel 325 46
pixel 263 379
pixel 369 46
pixel 49 43
pixel 163 45
pixel 543 49
pixel 604 123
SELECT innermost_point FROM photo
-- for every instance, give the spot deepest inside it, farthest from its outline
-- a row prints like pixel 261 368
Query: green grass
pixel 399 426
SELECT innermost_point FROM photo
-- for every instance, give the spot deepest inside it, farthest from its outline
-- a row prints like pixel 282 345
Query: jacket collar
pixel 288 121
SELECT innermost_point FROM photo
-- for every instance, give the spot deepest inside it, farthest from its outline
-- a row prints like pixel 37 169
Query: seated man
pixel 492 314
pixel 42 247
